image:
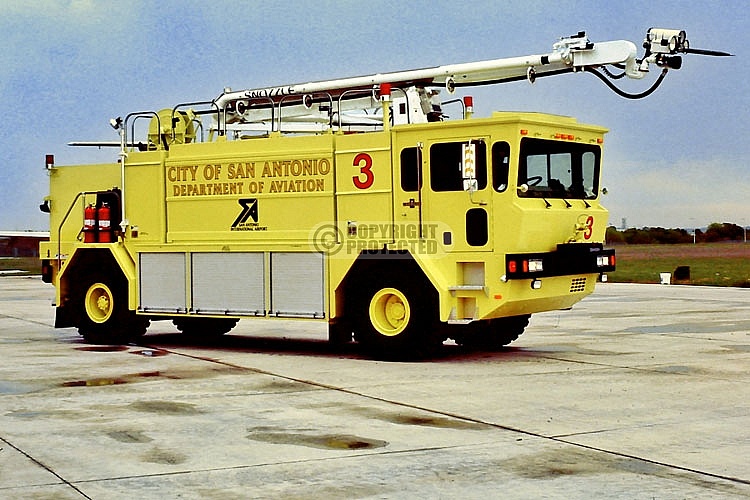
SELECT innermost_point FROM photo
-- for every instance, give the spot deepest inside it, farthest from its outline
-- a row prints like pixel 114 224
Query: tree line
pixel 717 231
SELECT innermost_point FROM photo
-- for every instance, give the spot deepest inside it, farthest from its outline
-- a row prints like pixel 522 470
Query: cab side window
pixel 445 166
pixel 500 166
pixel 410 178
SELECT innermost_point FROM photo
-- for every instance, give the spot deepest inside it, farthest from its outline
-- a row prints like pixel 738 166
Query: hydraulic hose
pixel 627 95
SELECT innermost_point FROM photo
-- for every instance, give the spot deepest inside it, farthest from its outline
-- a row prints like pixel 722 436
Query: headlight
pixel 535 265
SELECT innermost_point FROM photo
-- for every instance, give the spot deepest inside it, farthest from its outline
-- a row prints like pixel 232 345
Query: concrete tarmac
pixel 640 391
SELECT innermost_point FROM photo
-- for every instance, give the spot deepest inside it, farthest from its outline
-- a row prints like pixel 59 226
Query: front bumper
pixel 568 259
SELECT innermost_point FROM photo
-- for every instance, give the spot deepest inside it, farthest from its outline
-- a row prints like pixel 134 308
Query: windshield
pixel 557 169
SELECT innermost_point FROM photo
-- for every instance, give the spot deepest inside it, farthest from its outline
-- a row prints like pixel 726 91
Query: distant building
pixel 21 243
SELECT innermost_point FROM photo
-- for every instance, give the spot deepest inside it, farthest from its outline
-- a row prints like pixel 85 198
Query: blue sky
pixel 678 158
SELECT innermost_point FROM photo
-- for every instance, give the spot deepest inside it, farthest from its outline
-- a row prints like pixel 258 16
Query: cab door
pixel 408 186
pixel 457 195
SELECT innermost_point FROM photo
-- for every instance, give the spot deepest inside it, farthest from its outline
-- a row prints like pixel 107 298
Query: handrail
pixel 140 114
pixel 326 94
pixel 62 222
pixel 350 91
pixel 367 91
pixel 273 108
pixel 453 101
pixel 196 103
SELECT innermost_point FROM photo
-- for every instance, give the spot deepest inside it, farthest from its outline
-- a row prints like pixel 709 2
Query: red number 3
pixel 364 162
pixel 589 227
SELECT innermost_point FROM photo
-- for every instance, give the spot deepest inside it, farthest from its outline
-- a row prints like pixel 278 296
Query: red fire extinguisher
pixel 89 224
pixel 105 224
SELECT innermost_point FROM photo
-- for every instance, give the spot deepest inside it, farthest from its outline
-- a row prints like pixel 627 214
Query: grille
pixel 577 285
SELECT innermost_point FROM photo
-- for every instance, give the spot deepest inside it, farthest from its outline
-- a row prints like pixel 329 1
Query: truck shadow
pixel 317 347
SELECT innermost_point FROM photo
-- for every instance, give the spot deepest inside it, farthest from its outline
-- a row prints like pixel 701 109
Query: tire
pixel 103 314
pixel 493 334
pixel 204 328
pixel 396 318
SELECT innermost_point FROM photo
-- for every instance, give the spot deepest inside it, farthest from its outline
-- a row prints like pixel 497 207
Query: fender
pixel 108 257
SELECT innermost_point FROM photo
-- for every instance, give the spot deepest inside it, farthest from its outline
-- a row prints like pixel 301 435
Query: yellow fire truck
pixel 352 202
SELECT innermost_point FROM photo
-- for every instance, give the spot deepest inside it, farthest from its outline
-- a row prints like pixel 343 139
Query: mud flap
pixel 63 319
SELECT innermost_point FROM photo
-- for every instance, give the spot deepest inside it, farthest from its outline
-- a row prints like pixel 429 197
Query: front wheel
pixel 395 319
pixel 103 313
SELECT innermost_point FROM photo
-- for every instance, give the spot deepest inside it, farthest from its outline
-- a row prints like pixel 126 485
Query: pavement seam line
pixel 26 320
pixel 271 464
pixel 471 419
pixel 45 467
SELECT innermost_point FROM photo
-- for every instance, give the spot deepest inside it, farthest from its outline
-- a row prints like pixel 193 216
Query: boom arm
pixel 574 53
pixel 350 101
pixel 571 54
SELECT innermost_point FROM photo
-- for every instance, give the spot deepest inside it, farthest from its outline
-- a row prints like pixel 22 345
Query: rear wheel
pixel 197 328
pixel 103 314
pixel 395 318
pixel 493 334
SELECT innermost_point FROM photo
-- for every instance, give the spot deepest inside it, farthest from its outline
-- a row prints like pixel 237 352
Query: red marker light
pixel 512 266
pixel 385 91
pixel 469 103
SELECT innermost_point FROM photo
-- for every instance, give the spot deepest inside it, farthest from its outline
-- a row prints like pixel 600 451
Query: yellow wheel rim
pixel 389 312
pixel 99 303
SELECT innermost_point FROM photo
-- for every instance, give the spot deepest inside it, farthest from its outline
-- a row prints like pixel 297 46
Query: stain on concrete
pixel 313 440
pixel 129 436
pixel 157 455
pixel 141 376
pixel 102 348
pixel 165 407
pixel 285 385
pixel 413 418
pixel 570 349
pixel 102 381
pixel 95 382
pixel 737 348
pixel 574 461
pixel 703 327
pixel 203 372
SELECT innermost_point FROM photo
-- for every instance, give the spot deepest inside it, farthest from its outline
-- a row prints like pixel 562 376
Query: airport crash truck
pixel 353 202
